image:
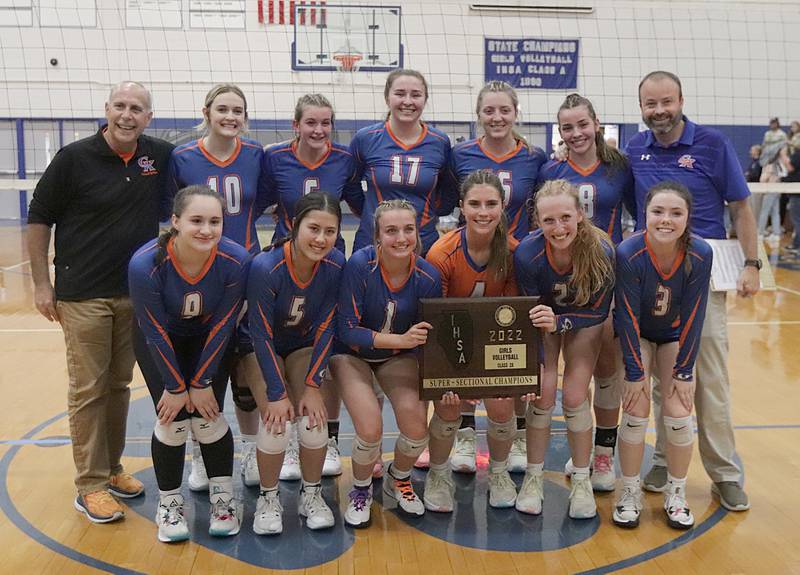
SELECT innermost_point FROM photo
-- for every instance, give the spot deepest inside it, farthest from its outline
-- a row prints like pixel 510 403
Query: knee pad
pixel 501 431
pixel 632 429
pixel 680 430
pixel 578 419
pixel 608 392
pixel 441 429
pixel 538 418
pixel 206 431
pixel 411 447
pixel 174 434
pixel 364 452
pixel 243 397
pixel 271 443
pixel 311 437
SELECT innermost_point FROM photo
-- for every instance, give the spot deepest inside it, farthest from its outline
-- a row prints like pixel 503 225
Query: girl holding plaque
pixel 291 307
pixel 474 261
pixel 377 337
pixel 663 276
pixel 604 181
pixel 568 262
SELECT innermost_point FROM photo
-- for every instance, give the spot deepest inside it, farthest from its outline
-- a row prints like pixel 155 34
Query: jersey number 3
pixel 663 297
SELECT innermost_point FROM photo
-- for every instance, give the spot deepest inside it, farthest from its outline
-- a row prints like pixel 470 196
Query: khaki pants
pixel 100 364
pixel 712 399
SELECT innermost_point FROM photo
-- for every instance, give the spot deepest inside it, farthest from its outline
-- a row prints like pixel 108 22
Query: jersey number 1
pixel 231 191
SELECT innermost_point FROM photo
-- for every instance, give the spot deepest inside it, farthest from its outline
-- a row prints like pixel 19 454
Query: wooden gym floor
pixel 42 533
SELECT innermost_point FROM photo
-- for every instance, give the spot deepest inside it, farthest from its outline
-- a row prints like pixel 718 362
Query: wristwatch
pixel 756 263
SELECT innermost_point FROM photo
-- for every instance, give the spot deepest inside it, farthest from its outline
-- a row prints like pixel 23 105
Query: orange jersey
pixel 461 277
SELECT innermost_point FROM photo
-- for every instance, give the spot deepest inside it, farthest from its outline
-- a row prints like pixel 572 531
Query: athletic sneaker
pixel 531 494
pixel 268 519
pixel 226 515
pixel 628 508
pixel 125 485
pixel 402 491
pixel 581 499
pixel 731 496
pixel 99 507
pixel 463 458
pixel 678 514
pixel 518 456
pixel 333 462
pixel 358 507
pixel 502 490
pixel 171 523
pixel 424 460
pixel 313 507
pixel 198 479
pixel 656 479
pixel 290 470
pixel 250 475
pixel 439 491
pixel 603 477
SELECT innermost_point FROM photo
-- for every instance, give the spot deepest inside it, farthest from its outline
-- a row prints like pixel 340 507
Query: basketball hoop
pixel 347 62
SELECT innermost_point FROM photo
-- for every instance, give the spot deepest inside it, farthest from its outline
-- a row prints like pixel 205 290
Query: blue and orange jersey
pixel 286 314
pixel 167 301
pixel 661 306
pixel 369 303
pixel 538 275
pixel 602 190
pixel 417 173
pixel 461 276
pixel 237 179
pixel 518 171
pixel 288 178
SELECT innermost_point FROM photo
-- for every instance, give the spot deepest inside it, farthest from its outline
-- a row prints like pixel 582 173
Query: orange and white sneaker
pixel 402 491
pixel 125 485
pixel 99 507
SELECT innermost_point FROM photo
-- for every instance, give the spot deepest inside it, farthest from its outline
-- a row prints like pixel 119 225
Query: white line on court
pixel 774 322
pixel 32 330
pixel 788 290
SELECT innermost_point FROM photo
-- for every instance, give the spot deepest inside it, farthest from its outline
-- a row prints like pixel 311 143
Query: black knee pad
pixel 243 397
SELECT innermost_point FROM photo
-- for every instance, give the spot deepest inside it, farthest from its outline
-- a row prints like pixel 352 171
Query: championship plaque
pixel 479 347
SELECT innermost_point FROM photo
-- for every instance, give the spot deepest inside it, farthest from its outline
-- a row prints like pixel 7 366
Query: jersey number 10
pixel 231 191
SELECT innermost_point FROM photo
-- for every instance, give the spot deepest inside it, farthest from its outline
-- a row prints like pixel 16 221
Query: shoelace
pixel 358 497
pixel 628 499
pixel 101 498
pixel 532 480
pixel 602 463
pixel 333 451
pixel 465 445
pixel 271 503
pixel 223 510
pixel 405 489
pixel 172 515
pixel 314 501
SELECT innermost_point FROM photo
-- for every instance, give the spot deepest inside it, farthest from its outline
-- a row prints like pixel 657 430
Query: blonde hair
pixel 317 100
pixel 592 270
pixel 495 87
pixel 389 206
pixel 218 90
pixel 605 153
pixel 499 254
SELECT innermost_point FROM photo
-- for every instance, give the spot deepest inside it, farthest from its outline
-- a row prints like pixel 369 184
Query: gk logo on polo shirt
pixel 686 161
pixel 148 169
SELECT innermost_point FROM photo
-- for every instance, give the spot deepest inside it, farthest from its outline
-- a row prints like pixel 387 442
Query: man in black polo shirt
pixel 102 194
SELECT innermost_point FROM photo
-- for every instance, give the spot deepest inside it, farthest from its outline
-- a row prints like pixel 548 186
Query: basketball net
pixel 347 62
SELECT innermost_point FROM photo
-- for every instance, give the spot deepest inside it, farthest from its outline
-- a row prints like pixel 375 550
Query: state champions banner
pixel 547 64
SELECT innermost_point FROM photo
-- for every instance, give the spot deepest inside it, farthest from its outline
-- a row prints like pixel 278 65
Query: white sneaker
pixel 290 470
pixel 226 513
pixel 569 468
pixel 678 514
pixel 313 507
pixel 603 477
pixel 581 499
pixel 518 456
pixel 358 507
pixel 171 523
pixel 402 491
pixel 198 479
pixel 502 491
pixel 773 239
pixel 463 458
pixel 628 508
pixel 268 519
pixel 249 464
pixel 439 491
pixel 333 463
pixel 531 494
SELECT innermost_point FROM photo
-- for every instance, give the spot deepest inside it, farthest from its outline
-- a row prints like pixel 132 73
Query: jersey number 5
pixel 560 293
pixel 296 311
pixel 413 170
pixel 231 191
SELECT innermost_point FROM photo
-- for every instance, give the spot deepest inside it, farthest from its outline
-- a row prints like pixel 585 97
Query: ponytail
pixel 163 239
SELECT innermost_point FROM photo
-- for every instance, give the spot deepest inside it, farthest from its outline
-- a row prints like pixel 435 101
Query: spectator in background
pixel 790 160
pixel 772 171
pixel 753 171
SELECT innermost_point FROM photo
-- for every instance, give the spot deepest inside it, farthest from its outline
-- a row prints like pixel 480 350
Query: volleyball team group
pixel 299 330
